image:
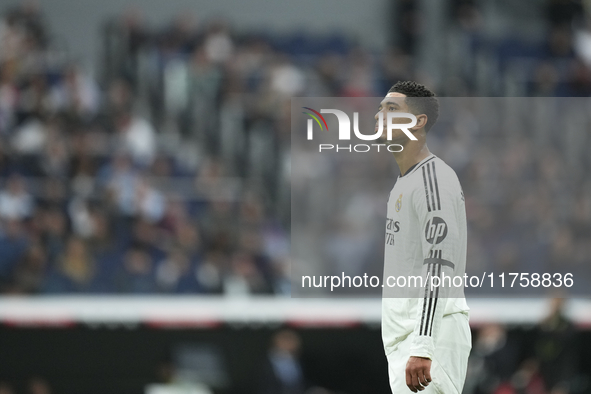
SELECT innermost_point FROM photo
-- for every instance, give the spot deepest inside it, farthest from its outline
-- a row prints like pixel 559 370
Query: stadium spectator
pixel 31 272
pixel 494 357
pixel 174 273
pixel 13 246
pixel 136 274
pixel 75 270
pixel 137 137
pixel 15 202
pixel 76 92
pixel 556 349
pixel 281 372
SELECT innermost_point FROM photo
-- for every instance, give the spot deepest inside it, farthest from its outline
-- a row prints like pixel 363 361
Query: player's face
pixel 393 102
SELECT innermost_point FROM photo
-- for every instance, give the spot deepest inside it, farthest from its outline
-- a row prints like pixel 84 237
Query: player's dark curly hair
pixel 420 99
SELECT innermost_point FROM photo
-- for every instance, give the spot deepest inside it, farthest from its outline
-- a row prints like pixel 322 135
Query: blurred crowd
pixel 98 194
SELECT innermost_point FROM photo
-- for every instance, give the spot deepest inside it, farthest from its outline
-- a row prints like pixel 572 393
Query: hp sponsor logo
pixel 436 230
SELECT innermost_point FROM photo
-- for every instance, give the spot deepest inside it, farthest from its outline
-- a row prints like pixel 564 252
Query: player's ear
pixel 421 122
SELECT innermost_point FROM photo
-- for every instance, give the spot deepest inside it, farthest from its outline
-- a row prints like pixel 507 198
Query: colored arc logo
pixel 316 118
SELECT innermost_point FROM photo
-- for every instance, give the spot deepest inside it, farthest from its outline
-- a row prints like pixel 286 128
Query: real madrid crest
pixel 398 204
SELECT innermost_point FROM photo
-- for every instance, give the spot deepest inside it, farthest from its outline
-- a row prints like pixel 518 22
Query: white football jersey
pixel 425 236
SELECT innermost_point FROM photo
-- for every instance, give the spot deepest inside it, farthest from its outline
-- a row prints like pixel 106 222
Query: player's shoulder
pixel 442 169
pixel 434 173
pixel 432 164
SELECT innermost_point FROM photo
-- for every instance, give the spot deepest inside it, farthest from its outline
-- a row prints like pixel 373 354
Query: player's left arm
pixel 436 205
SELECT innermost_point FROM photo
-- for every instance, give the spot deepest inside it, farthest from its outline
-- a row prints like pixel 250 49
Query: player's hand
pixel 418 373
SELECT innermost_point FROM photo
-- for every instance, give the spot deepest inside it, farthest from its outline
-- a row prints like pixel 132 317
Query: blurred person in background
pixel 54 232
pixel 136 274
pixel 281 372
pixel 136 136
pixel 31 272
pixel 54 161
pixel 211 271
pixel 557 350
pixel 14 244
pixel 188 238
pixel 75 92
pixel 174 273
pixel 494 358
pixel 75 270
pixel 245 276
pixel 15 202
pixel 118 179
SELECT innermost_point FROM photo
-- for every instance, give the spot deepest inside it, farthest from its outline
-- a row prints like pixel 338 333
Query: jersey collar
pixel 416 165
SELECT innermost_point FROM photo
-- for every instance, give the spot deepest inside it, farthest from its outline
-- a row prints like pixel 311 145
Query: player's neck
pixel 411 155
